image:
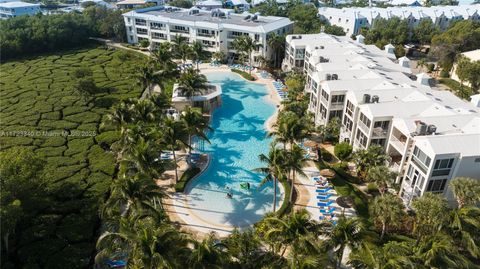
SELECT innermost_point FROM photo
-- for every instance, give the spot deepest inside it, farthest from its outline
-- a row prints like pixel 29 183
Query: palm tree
pixel 146 243
pixel 292 230
pixel 132 195
pixel 430 215
pixel 246 45
pixel 147 78
pixel 143 157
pixel 296 160
pixel 464 226
pixel 198 52
pixel 392 255
pixel 144 111
pixel 277 44
pixel 218 56
pixel 438 251
pixel 382 176
pixel 192 82
pixel 119 117
pixel 290 128
pixel 465 190
pixel 174 135
pixel 262 62
pixel 274 169
pixel 161 102
pixel 348 232
pixel 206 254
pixel 166 68
pixel 245 247
pixel 195 125
pixel 370 157
pixel 388 210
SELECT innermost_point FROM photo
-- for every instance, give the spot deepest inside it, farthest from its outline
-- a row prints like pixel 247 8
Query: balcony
pixel 205 34
pixel 178 31
pixel 363 127
pixel 158 28
pixel 394 166
pixel 398 144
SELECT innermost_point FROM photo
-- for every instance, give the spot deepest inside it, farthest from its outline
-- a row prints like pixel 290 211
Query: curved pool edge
pixel 199 224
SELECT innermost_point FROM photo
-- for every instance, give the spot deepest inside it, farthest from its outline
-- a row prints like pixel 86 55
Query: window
pixel 205 32
pixel 158 35
pixel 257 37
pixel 361 138
pixel 442 167
pixel 156 25
pixel 179 28
pixel 325 95
pixel 380 142
pixel 436 185
pixel 335 114
pixel 422 158
pixel 233 34
pixel 142 31
pixel 323 112
pixel 381 124
pixel 347 123
pixel 338 99
pixel 365 120
pixel 350 108
pixel 413 176
pixel 129 28
pixel 140 22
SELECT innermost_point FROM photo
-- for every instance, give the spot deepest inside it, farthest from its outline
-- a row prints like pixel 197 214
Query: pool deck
pixel 176 204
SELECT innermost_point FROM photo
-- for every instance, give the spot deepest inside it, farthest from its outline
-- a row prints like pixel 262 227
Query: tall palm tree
pixel 388 210
pixel 392 255
pixel 192 82
pixel 161 102
pixel 438 251
pixel 367 158
pixel 206 254
pixel 165 67
pixel 246 248
pixel 246 45
pixel 147 78
pixel 119 117
pixel 348 232
pixel 465 190
pixel 296 161
pixel 146 243
pixel 174 135
pixel 290 128
pixel 274 169
pixel 292 230
pixel 430 215
pixel 132 195
pixel 277 44
pixel 142 158
pixel 198 52
pixel 464 226
pixel 195 125
pixel 144 111
pixel 382 176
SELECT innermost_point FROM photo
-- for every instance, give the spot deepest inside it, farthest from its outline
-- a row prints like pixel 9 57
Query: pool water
pixel 238 137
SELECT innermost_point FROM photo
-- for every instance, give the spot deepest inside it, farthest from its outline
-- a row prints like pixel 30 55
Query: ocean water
pixel 238 137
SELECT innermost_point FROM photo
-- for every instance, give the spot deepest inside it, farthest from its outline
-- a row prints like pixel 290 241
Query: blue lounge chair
pixel 324 203
pixel 329 211
pixel 116 263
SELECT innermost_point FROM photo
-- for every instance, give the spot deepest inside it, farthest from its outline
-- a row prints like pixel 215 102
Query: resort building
pixel 207 100
pixel 209 4
pixel 431 136
pixel 352 19
pixel 18 8
pixel 129 4
pixel 474 56
pixel 216 29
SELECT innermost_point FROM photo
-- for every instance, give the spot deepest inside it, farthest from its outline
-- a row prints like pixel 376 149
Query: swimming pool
pixel 238 137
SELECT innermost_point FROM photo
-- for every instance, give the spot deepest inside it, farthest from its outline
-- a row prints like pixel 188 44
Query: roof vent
pixel 247 17
pixel 375 99
pixel 421 128
pixel 366 98
pixel 328 77
pixel 334 76
pixel 431 129
pixel 255 18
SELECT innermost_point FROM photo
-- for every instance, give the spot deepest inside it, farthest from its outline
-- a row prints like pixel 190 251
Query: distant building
pixel 17 8
pixel 216 29
pixel 98 3
pixel 352 19
pixel 209 4
pixel 241 5
pixel 473 55
pixel 431 136
pixel 129 4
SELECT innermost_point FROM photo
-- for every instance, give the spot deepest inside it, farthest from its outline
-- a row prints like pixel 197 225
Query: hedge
pixel 187 175
pixel 244 74
pixel 286 205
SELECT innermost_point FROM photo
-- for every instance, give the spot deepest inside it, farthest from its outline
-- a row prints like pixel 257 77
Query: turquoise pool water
pixel 238 137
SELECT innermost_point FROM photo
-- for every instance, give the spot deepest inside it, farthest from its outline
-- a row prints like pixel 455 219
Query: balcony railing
pixel 364 127
pixel 141 23
pixel 399 145
pixel 205 34
pixel 179 31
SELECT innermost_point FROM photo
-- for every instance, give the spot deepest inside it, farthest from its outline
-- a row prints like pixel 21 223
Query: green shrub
pixel 343 151
pixel 101 160
pixel 187 175
pixel 372 188
pixel 244 74
pixel 286 205
pixel 444 74
pixel 108 137
pixel 326 155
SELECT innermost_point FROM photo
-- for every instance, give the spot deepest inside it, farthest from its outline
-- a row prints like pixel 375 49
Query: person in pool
pixel 229 195
pixel 248 185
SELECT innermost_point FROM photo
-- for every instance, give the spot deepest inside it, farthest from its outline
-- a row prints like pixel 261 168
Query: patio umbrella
pixel 310 144
pixel 328 173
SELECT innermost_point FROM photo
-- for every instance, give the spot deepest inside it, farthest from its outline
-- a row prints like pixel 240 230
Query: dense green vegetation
pixel 27 35
pixel 41 113
pixel 244 74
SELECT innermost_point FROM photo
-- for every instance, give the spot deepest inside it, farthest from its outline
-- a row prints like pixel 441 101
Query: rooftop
pixel 18 4
pixel 217 18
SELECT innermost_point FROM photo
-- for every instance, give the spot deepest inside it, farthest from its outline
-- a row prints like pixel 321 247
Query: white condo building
pixel 431 136
pixel 216 29
pixel 352 19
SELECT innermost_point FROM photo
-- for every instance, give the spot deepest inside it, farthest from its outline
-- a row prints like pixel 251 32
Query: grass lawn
pixel 37 105
pixel 345 188
pixel 458 89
